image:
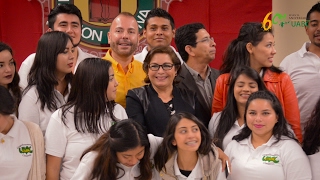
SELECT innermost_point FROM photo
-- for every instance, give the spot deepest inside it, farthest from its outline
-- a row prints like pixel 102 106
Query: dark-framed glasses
pixel 165 66
pixel 205 40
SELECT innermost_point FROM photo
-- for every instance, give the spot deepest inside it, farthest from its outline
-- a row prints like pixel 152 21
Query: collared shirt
pixel 85 167
pixel 142 55
pixel 132 79
pixel 27 64
pixel 303 68
pixel 30 107
pixel 315 164
pixel 282 161
pixel 196 173
pixel 204 85
pixel 64 141
pixel 16 152
pixel 235 129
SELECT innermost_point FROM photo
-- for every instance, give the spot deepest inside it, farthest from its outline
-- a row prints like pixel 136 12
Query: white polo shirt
pixel 196 173
pixel 235 129
pixel 85 167
pixel 16 152
pixel 303 67
pixel 315 164
pixel 30 107
pixel 142 55
pixel 284 160
pixel 65 142
pixel 27 64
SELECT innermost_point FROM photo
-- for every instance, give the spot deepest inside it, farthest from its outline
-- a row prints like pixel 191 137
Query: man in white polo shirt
pixel 303 67
pixel 158 30
pixel 66 18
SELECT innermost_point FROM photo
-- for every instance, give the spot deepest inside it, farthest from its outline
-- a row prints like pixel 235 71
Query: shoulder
pixel 120 112
pixel 224 78
pixel 31 92
pixel 89 157
pixel 214 121
pixel 215 73
pixel 138 91
pixel 33 128
pixel 29 60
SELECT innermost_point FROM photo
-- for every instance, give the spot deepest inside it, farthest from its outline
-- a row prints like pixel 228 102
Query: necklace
pixel 2 141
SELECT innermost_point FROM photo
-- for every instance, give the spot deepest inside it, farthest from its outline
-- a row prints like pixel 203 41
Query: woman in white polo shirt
pixel 187 151
pixel 123 153
pixel 311 141
pixel 49 79
pixel 265 149
pixel 228 123
pixel 89 112
pixel 21 144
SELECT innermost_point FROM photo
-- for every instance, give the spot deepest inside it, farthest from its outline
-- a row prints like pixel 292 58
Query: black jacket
pixel 144 106
pixel 187 82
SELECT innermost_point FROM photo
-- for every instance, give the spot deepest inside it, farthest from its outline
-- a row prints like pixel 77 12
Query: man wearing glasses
pixel 197 49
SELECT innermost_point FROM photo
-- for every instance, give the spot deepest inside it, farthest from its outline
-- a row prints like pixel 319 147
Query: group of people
pixel 162 113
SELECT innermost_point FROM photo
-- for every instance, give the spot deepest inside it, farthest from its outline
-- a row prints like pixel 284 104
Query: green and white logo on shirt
pixel 271 159
pixel 25 150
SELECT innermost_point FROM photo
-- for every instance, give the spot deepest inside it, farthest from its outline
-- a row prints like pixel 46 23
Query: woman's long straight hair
pixel 123 136
pixel 88 97
pixel 42 73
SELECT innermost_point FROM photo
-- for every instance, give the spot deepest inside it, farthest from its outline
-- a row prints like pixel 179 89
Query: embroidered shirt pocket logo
pixel 25 150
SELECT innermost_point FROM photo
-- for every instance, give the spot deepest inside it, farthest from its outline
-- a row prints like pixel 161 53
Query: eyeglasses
pixel 206 40
pixel 165 67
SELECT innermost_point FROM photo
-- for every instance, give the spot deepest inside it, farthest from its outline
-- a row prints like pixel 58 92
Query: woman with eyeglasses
pixel 152 105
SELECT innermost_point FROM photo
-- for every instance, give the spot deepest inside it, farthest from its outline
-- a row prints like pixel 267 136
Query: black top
pixel 144 105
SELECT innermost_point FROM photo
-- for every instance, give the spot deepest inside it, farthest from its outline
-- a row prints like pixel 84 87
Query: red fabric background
pixel 21 26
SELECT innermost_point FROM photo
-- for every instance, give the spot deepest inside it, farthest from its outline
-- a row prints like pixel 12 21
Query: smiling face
pixel 123 36
pixel 112 86
pixel 70 24
pixel 187 136
pixel 161 78
pixel 131 157
pixel 158 32
pixel 65 60
pixel 313 29
pixel 261 118
pixel 7 68
pixel 243 88
pixel 262 54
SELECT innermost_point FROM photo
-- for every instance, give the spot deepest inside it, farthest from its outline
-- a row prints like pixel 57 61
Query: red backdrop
pixel 21 21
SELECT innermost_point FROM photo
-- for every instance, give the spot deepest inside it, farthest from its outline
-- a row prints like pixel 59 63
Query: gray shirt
pixel 204 85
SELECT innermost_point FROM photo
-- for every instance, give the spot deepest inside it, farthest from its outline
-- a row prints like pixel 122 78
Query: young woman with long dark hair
pixel 187 151
pixel 9 78
pixel 49 79
pixel 265 148
pixel 254 47
pixel 227 123
pixel 124 152
pixel 89 113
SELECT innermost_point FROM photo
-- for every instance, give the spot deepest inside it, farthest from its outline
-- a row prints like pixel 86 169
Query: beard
pixel 123 52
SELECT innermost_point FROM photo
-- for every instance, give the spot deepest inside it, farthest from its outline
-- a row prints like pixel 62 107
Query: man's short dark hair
pixel 315 8
pixel 186 35
pixel 158 12
pixel 63 8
